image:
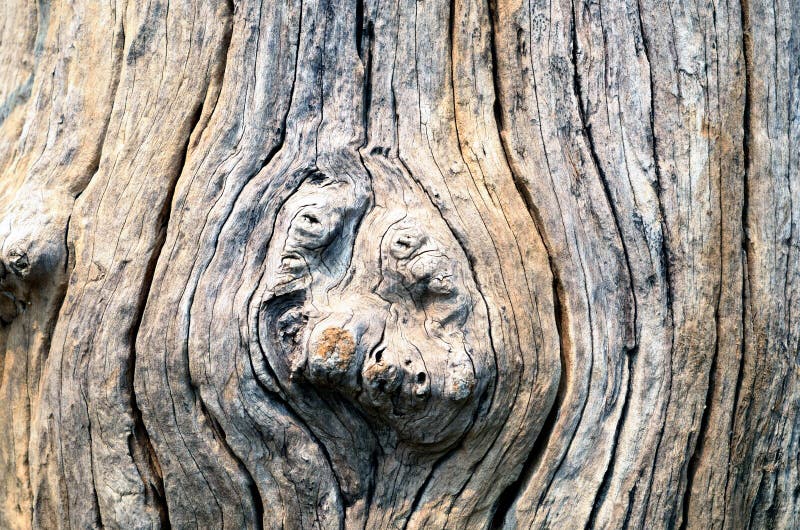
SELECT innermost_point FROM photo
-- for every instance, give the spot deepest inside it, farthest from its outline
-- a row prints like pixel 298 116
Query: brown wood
pixel 399 264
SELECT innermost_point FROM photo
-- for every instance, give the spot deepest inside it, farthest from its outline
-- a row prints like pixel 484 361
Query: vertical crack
pixel 694 460
pixel 747 48
pixel 219 434
pixel 365 38
pixel 140 436
pixel 510 494
pixel 605 483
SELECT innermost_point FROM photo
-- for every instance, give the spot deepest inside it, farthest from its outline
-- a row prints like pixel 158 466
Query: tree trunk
pixel 400 264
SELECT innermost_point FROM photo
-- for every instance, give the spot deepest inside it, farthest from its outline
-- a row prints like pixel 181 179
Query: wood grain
pixel 399 264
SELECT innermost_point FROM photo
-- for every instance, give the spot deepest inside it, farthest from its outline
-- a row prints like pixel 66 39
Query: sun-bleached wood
pixel 399 264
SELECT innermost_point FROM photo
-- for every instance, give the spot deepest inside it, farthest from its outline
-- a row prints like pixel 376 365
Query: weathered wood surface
pixel 407 264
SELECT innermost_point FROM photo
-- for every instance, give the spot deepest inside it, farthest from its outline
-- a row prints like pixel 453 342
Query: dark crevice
pixel 369 36
pixel 697 451
pixel 605 483
pixel 320 81
pixel 365 39
pixel 140 433
pixel 747 48
pixel 609 195
pixel 694 461
pixel 632 346
pixel 219 434
pixel 95 500
pixel 141 436
pixel 69 256
pixel 511 493
pixel 359 29
pixel 629 509
pixel 421 490
pixel 141 440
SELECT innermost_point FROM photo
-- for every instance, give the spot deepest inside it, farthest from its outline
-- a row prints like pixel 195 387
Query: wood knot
pixel 335 350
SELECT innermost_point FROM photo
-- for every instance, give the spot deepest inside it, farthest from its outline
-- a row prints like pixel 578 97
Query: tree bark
pixel 400 264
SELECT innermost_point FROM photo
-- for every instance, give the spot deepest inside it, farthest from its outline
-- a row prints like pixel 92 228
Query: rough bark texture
pixel 400 264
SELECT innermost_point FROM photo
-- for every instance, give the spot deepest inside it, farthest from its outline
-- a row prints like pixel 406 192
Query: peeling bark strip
pixel 399 264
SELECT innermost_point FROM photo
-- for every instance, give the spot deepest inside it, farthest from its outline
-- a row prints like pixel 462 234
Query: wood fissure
pixel 358 264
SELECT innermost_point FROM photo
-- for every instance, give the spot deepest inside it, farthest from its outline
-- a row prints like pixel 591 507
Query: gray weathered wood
pixel 399 264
